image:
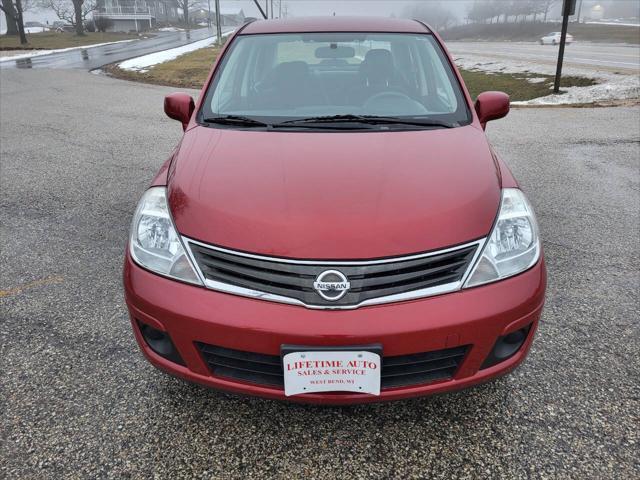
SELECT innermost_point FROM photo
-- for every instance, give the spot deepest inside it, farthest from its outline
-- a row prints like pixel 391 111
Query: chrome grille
pixel 371 282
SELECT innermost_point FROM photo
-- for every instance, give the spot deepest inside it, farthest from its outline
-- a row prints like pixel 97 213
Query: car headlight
pixel 513 245
pixel 154 243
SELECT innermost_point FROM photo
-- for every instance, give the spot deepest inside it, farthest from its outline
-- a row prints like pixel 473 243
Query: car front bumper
pixel 476 317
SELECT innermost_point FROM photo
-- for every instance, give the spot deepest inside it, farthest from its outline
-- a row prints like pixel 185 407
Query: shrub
pixel 103 23
pixel 89 26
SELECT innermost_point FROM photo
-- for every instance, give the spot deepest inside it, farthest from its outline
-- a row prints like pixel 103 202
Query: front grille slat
pixel 384 290
pixel 268 265
pixel 409 369
pixel 240 355
pixel 418 379
pixel 404 277
pixel 261 368
pixel 397 371
pixel 246 376
pixel 294 280
pixel 278 289
pixel 255 276
pixel 252 270
pixel 424 357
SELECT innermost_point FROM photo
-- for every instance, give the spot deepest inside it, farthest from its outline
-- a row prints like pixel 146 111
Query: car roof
pixel 335 24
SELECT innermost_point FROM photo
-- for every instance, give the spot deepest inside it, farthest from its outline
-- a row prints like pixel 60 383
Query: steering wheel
pixel 384 102
pixel 387 96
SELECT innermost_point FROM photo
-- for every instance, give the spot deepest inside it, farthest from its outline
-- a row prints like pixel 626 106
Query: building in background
pixel 137 15
pixel 229 16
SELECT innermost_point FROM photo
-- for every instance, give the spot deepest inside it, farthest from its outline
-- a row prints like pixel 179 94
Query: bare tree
pixel 480 11
pixel 545 7
pixel 187 5
pixel 74 12
pixel 439 17
pixel 537 7
pixel 9 15
pixel 13 10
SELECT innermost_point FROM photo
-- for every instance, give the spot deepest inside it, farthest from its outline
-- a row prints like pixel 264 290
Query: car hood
pixel 338 195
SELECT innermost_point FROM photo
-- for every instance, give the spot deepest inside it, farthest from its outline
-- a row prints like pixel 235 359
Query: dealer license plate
pixel 331 371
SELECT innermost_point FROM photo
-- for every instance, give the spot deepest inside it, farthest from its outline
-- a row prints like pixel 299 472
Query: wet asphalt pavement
pixel 95 57
pixel 79 401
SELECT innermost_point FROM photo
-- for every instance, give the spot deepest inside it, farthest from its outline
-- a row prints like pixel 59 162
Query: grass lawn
pixel 51 40
pixel 190 71
pixel 187 71
pixel 518 85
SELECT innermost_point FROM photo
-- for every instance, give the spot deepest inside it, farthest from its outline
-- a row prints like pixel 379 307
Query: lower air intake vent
pixel 397 371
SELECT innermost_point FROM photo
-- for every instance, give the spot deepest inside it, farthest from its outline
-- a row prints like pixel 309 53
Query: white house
pixel 137 15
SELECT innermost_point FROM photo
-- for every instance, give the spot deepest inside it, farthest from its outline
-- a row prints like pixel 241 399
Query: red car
pixel 334 226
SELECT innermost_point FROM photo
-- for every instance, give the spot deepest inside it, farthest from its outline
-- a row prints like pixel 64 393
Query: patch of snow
pixel 35 29
pixel 144 63
pixel 14 53
pixel 610 87
pixel 537 79
pixel 170 29
pixel 38 53
pixel 622 24
pixel 626 88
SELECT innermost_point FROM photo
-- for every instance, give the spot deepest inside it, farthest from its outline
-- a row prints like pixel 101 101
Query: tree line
pixel 504 11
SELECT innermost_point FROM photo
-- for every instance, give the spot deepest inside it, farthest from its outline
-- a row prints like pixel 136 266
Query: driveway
pixel 77 400
pixel 95 57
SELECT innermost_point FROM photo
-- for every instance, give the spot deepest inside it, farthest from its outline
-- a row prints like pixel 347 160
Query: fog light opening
pixel 160 342
pixel 506 346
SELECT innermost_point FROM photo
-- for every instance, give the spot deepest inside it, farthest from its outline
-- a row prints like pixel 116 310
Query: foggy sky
pixel 383 8
pixel 301 8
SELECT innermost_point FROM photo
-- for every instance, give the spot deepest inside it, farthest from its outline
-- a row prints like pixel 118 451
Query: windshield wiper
pixel 237 120
pixel 371 120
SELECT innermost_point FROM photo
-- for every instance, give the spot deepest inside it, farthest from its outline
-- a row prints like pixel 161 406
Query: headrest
pixel 379 57
pixel 291 70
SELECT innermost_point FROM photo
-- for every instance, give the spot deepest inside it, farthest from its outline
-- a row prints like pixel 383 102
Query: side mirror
pixel 491 106
pixel 179 106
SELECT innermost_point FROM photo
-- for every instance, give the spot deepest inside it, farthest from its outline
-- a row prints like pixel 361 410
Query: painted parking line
pixel 27 286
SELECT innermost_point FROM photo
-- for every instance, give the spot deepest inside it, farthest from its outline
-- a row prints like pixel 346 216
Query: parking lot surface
pixel 79 401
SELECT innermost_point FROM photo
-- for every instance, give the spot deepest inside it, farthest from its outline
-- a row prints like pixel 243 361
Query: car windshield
pixel 341 77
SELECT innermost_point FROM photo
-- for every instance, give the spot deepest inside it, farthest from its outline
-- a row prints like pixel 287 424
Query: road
pixel 95 57
pixel 77 399
pixel 590 56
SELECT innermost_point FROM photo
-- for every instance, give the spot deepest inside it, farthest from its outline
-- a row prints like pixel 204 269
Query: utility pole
pixel 209 17
pixel 579 10
pixel 218 26
pixel 135 14
pixel 264 15
pixel 568 9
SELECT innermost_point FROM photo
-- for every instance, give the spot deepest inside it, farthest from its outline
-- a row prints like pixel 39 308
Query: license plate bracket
pixel 353 368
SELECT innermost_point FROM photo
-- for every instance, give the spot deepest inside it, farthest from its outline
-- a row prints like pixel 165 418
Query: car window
pixel 279 77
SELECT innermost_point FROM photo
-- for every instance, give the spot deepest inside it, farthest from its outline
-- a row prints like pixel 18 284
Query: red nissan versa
pixel 334 226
